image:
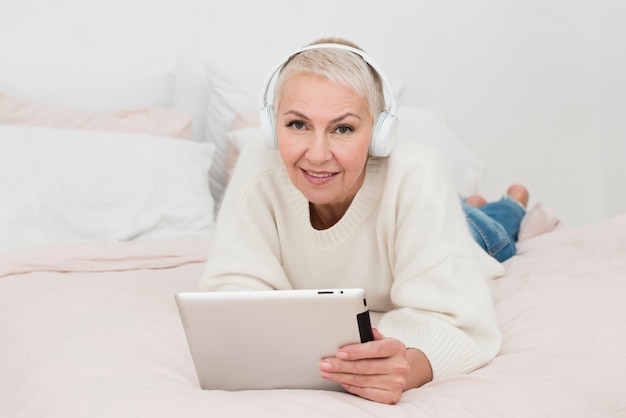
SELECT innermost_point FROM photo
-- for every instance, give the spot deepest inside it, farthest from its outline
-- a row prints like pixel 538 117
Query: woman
pixel 323 213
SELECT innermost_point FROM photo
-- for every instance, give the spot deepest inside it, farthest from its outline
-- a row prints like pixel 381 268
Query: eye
pixel 297 125
pixel 344 129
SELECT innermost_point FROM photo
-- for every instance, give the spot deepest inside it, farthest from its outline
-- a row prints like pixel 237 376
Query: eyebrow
pixel 338 119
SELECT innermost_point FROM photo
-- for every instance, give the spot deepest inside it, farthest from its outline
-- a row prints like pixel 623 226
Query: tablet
pixel 270 339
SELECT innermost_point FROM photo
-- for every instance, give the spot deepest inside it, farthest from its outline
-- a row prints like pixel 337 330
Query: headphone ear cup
pixel 267 126
pixel 384 134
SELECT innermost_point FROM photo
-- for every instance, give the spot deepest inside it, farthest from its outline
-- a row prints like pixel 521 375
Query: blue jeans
pixel 495 226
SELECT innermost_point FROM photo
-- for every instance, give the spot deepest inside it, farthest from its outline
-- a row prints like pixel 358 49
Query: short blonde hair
pixel 337 65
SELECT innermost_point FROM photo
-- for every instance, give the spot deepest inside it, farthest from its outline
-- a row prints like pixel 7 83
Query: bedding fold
pixel 99 257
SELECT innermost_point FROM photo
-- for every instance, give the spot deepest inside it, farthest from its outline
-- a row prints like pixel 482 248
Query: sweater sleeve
pixel 245 252
pixel 440 288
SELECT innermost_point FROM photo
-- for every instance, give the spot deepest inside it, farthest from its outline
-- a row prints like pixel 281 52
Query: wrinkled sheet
pixel 93 331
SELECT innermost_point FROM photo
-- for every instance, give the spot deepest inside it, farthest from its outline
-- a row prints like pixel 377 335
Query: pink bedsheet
pixel 93 331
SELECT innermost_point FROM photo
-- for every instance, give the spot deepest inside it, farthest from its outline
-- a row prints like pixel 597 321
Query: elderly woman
pixel 331 209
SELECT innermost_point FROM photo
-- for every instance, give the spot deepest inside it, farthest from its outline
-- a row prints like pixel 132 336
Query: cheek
pixel 289 153
pixel 284 155
pixel 286 148
pixel 355 158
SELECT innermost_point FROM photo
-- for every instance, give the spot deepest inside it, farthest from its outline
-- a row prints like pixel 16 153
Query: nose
pixel 319 149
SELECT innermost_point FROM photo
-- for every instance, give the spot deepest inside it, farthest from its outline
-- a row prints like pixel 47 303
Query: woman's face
pixel 324 132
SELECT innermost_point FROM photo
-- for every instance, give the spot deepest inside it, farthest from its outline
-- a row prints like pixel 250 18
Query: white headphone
pixel 383 131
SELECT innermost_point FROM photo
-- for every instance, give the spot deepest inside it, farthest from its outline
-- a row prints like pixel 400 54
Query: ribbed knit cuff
pixel 449 350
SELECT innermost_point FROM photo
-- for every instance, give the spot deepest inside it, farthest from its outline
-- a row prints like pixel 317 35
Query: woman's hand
pixel 379 370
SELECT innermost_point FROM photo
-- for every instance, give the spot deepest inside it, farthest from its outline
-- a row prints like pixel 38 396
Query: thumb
pixel 377 334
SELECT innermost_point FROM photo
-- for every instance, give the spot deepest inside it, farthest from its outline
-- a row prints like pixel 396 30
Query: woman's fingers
pixel 375 370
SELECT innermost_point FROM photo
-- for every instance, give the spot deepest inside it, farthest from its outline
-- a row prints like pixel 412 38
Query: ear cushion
pixel 383 134
pixel 267 126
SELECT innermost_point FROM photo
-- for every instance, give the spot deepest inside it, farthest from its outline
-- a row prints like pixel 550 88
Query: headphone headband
pixel 390 101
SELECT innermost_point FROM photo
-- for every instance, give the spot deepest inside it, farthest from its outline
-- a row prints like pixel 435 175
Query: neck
pixel 325 216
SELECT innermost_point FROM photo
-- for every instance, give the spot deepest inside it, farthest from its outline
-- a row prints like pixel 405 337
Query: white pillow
pixel 19 210
pixel 97 83
pixel 428 126
pixel 233 90
pixel 63 186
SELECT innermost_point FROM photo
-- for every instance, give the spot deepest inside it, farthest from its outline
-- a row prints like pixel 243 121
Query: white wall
pixel 535 87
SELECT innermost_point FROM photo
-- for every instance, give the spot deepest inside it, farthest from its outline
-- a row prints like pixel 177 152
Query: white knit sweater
pixel 404 239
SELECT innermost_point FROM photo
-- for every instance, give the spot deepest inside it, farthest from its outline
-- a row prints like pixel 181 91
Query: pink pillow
pixel 153 120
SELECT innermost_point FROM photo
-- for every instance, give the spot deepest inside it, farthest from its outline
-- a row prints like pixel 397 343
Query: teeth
pixel 319 175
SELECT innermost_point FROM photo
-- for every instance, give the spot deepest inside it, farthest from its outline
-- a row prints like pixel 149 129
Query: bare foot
pixel 476 200
pixel 519 193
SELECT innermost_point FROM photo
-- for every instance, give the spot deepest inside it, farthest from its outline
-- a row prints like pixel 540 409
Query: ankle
pixel 476 201
pixel 519 193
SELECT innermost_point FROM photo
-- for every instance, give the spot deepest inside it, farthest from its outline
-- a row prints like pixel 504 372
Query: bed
pixel 108 208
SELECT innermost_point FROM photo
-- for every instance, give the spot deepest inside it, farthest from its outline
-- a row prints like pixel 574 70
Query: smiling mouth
pixel 318 178
pixel 319 175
